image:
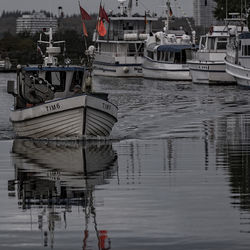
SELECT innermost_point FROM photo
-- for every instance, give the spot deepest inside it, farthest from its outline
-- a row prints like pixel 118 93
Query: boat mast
pixel 226 8
pixel 130 5
pixel 122 7
pixel 51 50
pixel 168 16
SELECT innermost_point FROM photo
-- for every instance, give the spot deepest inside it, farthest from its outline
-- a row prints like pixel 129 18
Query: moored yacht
pixel 208 66
pixel 119 51
pixel 166 53
pixel 238 58
pixel 56 101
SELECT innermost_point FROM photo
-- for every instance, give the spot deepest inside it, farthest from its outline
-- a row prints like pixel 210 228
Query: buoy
pixel 125 69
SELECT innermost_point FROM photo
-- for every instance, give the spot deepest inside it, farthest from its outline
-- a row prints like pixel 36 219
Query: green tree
pixel 233 6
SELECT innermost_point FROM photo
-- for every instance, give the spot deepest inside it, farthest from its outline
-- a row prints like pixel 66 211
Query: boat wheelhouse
pixel 119 53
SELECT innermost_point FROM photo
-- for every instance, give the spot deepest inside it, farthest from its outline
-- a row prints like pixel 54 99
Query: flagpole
pixel 84 36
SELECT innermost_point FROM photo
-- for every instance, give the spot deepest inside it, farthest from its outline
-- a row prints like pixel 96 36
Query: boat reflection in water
pixel 232 154
pixel 55 178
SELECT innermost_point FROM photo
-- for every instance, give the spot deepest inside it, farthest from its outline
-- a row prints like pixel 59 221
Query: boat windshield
pixel 222 43
pixel 203 42
pixel 76 80
pixel 57 79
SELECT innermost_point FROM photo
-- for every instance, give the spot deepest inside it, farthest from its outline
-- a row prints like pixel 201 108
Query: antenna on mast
pixel 226 9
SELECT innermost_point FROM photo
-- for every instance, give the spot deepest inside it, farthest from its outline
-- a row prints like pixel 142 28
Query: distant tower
pixel 203 12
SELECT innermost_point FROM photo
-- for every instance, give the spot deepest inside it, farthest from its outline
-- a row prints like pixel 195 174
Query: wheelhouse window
pixel 57 79
pixel 211 43
pixel 246 50
pixel 158 56
pixel 131 49
pixel 222 43
pixel 76 80
pixel 150 54
pixel 188 54
pixel 203 42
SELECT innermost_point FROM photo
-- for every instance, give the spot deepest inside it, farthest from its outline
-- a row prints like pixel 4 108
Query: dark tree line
pixel 233 6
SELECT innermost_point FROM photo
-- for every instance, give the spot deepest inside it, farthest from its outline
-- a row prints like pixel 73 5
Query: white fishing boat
pixel 50 103
pixel 238 58
pixel 166 53
pixel 208 66
pixel 120 51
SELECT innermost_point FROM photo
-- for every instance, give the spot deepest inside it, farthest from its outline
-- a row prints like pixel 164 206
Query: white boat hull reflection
pixel 70 164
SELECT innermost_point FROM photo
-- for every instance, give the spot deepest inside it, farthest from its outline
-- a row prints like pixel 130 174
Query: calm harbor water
pixel 174 174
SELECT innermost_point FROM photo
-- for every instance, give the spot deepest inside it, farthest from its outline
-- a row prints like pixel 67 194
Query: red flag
pixel 170 11
pixel 84 14
pixel 84 29
pixel 103 14
pixel 101 28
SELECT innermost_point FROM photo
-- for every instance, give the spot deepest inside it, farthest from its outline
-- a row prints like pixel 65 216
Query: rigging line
pixel 143 5
pixel 185 15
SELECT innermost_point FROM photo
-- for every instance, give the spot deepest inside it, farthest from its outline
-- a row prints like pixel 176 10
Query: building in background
pixel 35 22
pixel 203 13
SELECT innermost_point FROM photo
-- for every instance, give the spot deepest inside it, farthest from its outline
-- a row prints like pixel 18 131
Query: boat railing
pixel 120 54
pixel 124 35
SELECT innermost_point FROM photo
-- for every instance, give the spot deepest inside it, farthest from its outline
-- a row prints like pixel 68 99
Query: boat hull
pixel 77 116
pixel 241 74
pixel 127 70
pixel 117 66
pixel 165 71
pixel 213 73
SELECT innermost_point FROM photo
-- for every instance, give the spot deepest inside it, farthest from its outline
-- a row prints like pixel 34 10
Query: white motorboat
pixel 120 51
pixel 166 53
pixel 208 66
pixel 47 104
pixel 238 58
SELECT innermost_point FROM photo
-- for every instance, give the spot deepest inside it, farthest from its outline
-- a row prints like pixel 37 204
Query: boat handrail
pixel 120 54
pixel 119 35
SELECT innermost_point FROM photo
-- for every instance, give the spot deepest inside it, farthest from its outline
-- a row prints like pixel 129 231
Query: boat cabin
pixel 176 53
pixel 37 84
pixel 217 38
pixel 125 35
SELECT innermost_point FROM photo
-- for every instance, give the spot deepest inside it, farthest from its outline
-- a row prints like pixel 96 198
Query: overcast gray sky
pixel 71 6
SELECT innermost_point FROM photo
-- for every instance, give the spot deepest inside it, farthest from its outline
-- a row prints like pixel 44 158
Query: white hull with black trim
pixel 165 71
